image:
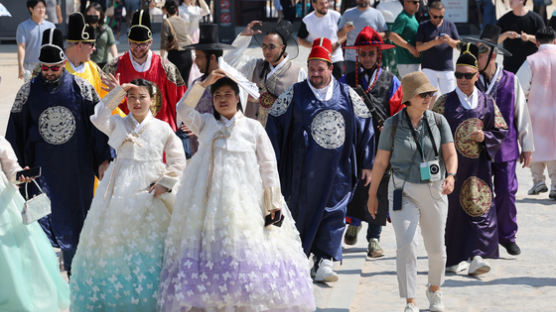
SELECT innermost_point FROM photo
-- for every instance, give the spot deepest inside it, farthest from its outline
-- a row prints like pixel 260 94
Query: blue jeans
pixel 489 12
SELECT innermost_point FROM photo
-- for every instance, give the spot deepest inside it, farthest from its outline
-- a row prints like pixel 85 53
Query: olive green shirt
pixel 406 159
pixel 104 40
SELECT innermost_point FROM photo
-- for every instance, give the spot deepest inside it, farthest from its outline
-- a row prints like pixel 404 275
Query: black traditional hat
pixel 468 56
pixel 140 30
pixel 209 39
pixel 52 47
pixel 79 30
pixel 489 37
pixel 284 29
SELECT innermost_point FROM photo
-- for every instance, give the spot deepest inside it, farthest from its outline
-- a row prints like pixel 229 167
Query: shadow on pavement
pixel 540 201
pixel 518 280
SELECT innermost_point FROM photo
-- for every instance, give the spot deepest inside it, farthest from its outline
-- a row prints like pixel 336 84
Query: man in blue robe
pixel 49 127
pixel 323 136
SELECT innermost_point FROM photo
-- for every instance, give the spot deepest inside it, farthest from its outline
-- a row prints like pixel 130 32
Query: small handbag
pixel 36 207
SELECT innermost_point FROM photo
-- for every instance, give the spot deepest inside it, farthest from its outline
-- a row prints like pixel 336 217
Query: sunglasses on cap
pixel 425 94
pixel 437 16
pixel 466 75
pixel 52 68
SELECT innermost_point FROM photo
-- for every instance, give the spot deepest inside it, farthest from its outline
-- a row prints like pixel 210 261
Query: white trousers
pixel 404 69
pixel 444 81
pixel 537 171
pixel 422 204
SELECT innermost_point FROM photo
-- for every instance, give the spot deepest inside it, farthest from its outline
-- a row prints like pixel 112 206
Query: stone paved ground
pixel 523 283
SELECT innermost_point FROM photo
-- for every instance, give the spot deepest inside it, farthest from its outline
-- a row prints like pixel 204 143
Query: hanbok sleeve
pixel 102 118
pixel 268 170
pixel 17 131
pixel 186 109
pixel 523 119
pixel 8 159
pixel 365 143
pixel 495 130
pixel 175 161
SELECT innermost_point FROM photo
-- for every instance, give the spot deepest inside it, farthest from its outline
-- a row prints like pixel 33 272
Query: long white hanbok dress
pixel 30 279
pixel 219 255
pixel 119 256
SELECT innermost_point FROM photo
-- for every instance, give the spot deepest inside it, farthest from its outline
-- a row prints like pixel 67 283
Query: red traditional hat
pixel 369 37
pixel 321 50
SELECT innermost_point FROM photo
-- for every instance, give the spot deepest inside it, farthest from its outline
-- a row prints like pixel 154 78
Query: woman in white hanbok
pixel 219 254
pixel 119 257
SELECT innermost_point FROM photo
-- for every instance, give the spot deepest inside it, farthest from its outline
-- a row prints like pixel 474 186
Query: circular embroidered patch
pixel 282 103
pixel 266 100
pixel 328 129
pixel 359 107
pixel 464 144
pixel 475 196
pixel 56 125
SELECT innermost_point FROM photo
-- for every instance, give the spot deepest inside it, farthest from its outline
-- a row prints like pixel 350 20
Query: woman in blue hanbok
pixel 29 271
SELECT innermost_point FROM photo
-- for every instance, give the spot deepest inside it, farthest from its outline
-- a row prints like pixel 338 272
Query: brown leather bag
pixel 172 43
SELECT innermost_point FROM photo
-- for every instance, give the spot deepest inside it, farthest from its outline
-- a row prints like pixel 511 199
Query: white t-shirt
pixel 369 17
pixel 325 26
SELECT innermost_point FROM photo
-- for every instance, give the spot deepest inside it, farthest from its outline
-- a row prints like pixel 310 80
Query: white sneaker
pixel 456 268
pixel 411 307
pixel 478 266
pixel 435 300
pixel 325 273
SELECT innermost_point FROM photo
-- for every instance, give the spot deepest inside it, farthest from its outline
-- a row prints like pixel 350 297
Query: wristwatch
pixel 451 174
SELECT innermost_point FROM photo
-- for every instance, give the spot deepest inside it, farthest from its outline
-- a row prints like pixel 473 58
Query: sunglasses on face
pixel 365 54
pixel 52 68
pixel 425 94
pixel 92 44
pixel 437 16
pixel 414 2
pixel 466 75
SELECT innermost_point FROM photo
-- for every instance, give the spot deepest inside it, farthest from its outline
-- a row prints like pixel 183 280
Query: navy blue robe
pixel 320 147
pixel 49 127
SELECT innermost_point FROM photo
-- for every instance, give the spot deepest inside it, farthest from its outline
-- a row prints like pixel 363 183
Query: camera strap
pixel 414 134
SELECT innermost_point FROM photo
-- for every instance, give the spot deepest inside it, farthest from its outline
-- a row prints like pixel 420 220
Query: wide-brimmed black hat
pixel 52 47
pixel 79 30
pixel 140 30
pixel 209 39
pixel 469 55
pixel 285 30
pixel 489 37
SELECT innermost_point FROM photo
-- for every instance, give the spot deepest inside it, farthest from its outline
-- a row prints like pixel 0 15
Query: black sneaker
pixel 351 234
pixel 512 248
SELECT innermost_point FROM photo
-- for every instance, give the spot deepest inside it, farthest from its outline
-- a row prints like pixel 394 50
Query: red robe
pixel 170 86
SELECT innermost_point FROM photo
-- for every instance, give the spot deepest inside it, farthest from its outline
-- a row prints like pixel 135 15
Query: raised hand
pixel 110 81
pixel 249 31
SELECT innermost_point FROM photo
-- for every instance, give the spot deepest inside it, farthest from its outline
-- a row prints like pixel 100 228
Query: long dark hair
pixel 224 81
pixel 97 6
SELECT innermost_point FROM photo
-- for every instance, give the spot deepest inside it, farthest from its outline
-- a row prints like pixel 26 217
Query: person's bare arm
pixel 450 157
pixel 304 43
pixel 20 58
pixel 424 46
pixel 342 33
pixel 162 53
pixel 114 51
pixel 526 37
pixel 510 34
pixel 401 42
pixel 59 14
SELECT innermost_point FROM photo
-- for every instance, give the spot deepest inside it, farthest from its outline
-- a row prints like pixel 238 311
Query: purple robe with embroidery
pixel 471 227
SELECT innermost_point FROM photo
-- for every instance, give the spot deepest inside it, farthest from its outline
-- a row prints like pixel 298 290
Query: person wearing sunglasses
pixel 504 87
pixel 479 130
pixel 49 127
pixel 385 90
pixel 436 40
pixel 418 146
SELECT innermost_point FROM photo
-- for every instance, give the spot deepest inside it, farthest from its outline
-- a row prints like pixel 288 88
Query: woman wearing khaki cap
pixel 419 147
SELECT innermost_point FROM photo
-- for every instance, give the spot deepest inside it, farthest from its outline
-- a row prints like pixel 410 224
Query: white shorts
pixel 444 81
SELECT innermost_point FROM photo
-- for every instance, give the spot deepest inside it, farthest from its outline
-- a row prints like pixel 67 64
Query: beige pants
pixel 537 171
pixel 422 204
